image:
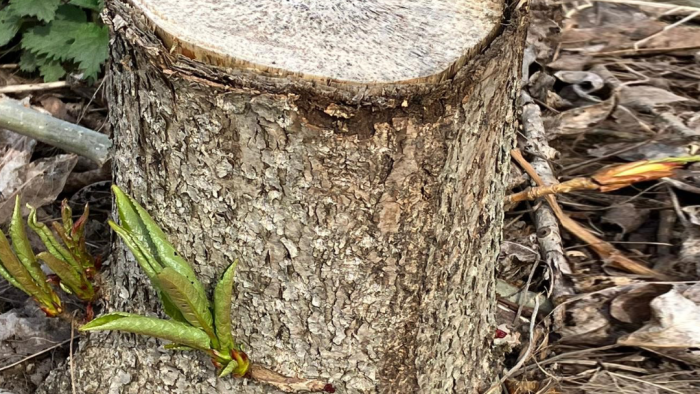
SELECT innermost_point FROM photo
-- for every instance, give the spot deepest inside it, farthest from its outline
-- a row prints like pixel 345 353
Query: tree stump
pixel 351 154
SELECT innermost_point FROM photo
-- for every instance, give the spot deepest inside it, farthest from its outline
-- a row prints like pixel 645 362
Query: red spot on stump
pixel 329 388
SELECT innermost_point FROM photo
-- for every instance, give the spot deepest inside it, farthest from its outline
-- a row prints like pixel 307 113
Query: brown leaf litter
pixel 612 83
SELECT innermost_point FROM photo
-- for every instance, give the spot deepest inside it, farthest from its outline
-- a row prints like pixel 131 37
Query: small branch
pixel 667 28
pixel 72 366
pixel 31 356
pixel 262 374
pixel 533 193
pixel 604 249
pixel 33 87
pixel 68 136
pixel 655 4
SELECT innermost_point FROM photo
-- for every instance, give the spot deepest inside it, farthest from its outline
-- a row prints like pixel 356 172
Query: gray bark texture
pixel 366 220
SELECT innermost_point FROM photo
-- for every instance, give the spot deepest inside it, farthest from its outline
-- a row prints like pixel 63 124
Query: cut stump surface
pixel 365 42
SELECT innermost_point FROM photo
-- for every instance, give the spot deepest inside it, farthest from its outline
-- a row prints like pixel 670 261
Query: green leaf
pixel 175 346
pixel 28 61
pixel 71 13
pixel 149 266
pixel 139 251
pixel 44 10
pixel 222 308
pixel 228 369
pixel 52 71
pixel 194 307
pixel 90 48
pixel 23 249
pixel 66 217
pixel 134 218
pixel 19 272
pixel 52 245
pixel 130 220
pixel 95 5
pixel 9 25
pixel 167 255
pixel 53 40
pixel 170 308
pixel 76 281
pixel 175 332
pixel 68 274
pixel 5 274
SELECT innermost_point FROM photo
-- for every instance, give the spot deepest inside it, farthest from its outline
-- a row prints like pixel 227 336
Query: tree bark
pixel 367 222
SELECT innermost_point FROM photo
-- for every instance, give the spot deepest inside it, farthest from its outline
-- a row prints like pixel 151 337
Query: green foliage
pixel 44 10
pixel 222 308
pixel 159 328
pixel 194 324
pixel 56 37
pixel 19 266
pixel 193 305
pixel 70 261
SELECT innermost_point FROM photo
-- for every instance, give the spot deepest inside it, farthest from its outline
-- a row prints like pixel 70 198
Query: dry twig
pixel 33 87
pixel 604 249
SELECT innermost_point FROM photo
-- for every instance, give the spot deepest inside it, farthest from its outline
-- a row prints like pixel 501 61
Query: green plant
pixel 72 263
pixel 56 37
pixel 19 266
pixel 196 322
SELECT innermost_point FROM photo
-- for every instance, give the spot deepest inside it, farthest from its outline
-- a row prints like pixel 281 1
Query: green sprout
pixel 72 263
pixel 196 322
pixel 19 266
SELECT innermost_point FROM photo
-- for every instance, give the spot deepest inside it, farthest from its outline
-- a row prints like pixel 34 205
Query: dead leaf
pixel 578 120
pixel 626 216
pixel 693 212
pixel 688 356
pixel 15 152
pixel 41 182
pixel 539 84
pixel 633 306
pixel 57 108
pixel 650 151
pixel 587 322
pixel 584 83
pixel 675 323
pixel 522 386
pixel 588 284
pixel 570 62
pixel 691 292
pixel 557 102
pixel 645 98
pixel 523 253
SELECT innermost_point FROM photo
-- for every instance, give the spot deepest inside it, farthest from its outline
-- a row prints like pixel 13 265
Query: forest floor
pixel 606 84
pixel 611 278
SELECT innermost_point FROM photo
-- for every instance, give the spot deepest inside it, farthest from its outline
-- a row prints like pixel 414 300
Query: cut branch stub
pixel 359 42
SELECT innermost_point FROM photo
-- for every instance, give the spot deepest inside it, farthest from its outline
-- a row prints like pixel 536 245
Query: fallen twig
pixel 263 374
pixel 610 178
pixel 604 249
pixel 31 356
pixel 645 51
pixel 669 5
pixel 68 136
pixel 533 193
pixel 548 232
pixel 70 354
pixel 33 87
pixel 667 28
